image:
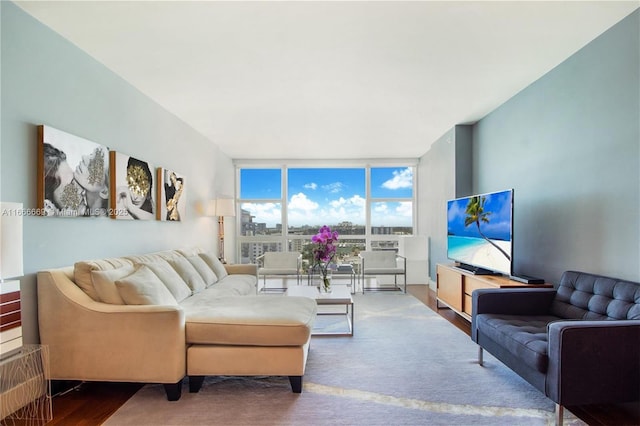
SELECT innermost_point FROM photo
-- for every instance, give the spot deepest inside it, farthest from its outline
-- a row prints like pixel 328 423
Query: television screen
pixel 480 232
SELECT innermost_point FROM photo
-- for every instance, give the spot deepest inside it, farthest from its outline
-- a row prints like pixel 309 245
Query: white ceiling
pixel 332 79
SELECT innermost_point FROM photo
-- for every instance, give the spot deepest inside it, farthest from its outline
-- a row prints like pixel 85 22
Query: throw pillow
pixel 203 269
pixel 143 287
pixel 82 272
pixel 171 279
pixel 188 274
pixel 215 264
pixel 104 282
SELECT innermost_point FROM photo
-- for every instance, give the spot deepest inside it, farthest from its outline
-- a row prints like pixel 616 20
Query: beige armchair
pixel 383 263
pixel 279 263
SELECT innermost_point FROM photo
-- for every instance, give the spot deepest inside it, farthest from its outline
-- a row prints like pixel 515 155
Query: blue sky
pixel 330 195
pixel 499 226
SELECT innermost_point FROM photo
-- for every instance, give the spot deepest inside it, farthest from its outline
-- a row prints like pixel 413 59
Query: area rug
pixel 405 365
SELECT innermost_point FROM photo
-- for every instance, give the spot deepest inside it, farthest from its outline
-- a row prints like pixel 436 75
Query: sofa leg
pixel 480 358
pixel 296 383
pixel 173 390
pixel 195 383
pixel 559 414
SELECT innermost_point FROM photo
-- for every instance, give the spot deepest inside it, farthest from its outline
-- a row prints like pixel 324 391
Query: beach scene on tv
pixel 479 231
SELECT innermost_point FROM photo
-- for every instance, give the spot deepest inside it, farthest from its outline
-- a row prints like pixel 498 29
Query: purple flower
pixel 325 250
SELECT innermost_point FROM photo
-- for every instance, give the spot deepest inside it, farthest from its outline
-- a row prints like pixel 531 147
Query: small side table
pixel 25 388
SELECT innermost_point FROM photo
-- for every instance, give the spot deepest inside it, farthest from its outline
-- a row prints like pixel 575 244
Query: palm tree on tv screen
pixel 476 214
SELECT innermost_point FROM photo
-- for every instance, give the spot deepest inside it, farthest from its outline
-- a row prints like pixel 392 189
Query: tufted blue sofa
pixel 578 343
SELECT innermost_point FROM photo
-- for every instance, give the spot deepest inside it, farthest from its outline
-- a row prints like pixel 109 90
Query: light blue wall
pixel 569 144
pixel 47 80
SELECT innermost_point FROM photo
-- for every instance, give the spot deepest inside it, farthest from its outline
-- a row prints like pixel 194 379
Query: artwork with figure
pixel 171 195
pixel 73 175
pixel 132 191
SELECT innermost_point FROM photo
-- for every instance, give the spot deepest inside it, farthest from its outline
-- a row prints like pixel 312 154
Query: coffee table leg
pixel 352 324
pixel 348 316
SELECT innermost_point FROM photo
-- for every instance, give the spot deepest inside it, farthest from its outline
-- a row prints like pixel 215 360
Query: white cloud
pixel 455 211
pixel 380 208
pixel 311 185
pixel 401 179
pixel 405 208
pixel 334 187
pixel 346 210
pixel 300 201
pixel 337 203
pixel 269 213
pixel 357 200
pixel 303 211
pixel 392 213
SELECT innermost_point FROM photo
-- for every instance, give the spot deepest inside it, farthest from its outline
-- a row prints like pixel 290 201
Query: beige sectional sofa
pixel 158 317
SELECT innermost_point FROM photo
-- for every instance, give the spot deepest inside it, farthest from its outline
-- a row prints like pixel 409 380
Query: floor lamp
pixel 10 267
pixel 224 207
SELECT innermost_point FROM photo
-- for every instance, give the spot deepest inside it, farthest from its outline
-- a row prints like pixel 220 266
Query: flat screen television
pixel 480 232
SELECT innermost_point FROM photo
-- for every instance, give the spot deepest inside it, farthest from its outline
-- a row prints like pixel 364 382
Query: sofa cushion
pixel 232 285
pixel 143 287
pixel 205 271
pixel 250 320
pixel 238 284
pixel 170 278
pixel 105 283
pixel 188 273
pixel 154 257
pixel 189 251
pixel 215 264
pixel 523 336
pixel 593 297
pixel 82 272
pixel 209 294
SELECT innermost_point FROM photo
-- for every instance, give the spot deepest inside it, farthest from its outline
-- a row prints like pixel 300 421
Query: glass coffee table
pixel 340 296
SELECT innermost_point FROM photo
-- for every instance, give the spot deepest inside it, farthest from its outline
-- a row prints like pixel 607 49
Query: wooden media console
pixel 455 286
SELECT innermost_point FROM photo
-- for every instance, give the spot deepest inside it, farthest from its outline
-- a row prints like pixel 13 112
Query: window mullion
pixel 285 209
pixel 367 213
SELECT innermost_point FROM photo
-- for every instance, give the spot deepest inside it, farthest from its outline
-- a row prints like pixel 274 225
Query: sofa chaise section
pixel 247 337
pixel 172 320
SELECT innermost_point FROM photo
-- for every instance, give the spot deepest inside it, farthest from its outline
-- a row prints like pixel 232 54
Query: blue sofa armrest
pixel 513 301
pixel 510 301
pixel 593 361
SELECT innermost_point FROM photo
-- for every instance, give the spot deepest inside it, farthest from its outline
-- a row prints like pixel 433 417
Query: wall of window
pixel 281 207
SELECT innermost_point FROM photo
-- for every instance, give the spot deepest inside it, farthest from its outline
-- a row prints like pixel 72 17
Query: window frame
pixel 285 237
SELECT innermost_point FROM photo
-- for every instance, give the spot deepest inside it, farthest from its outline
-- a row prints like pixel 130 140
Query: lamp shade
pixel 209 208
pixel 225 207
pixel 10 240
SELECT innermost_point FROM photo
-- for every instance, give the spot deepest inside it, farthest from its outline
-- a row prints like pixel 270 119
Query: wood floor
pixel 92 403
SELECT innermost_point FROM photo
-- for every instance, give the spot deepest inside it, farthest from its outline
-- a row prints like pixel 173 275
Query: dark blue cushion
pixel 523 336
pixel 593 297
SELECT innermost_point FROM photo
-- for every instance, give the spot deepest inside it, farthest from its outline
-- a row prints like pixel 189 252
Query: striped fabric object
pixel 10 317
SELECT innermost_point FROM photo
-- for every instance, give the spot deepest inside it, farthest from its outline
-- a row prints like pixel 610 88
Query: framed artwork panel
pixel 133 195
pixel 171 195
pixel 73 175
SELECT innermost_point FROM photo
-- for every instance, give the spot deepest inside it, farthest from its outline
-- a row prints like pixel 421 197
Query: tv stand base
pixel 475 270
